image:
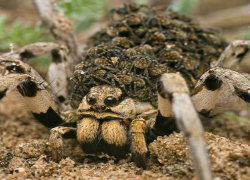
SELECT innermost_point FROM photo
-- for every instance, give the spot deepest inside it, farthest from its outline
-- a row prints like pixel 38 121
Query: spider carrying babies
pixel 148 73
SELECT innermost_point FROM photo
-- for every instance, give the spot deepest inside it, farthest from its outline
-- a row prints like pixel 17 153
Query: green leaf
pixel 142 2
pixel 235 117
pixel 20 34
pixel 184 6
pixel 247 35
pixel 83 13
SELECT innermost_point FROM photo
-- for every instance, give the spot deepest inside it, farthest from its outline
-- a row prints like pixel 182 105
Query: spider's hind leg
pixel 174 102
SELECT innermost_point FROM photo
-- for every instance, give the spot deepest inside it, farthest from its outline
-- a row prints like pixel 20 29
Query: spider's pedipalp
pixel 174 95
pixel 57 135
pixel 220 90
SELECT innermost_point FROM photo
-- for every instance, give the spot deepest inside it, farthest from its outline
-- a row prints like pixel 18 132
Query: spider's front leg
pixel 220 90
pixel 174 101
pixel 19 78
pixel 139 148
pixel 59 71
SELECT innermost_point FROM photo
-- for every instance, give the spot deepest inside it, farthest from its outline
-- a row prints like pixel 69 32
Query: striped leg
pixel 220 90
pixel 59 71
pixel 233 55
pixel 19 77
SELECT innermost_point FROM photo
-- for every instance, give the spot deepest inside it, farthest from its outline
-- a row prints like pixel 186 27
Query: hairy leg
pixel 138 143
pixel 57 135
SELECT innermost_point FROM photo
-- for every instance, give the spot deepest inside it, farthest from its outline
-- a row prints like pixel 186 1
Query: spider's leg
pixel 59 72
pixel 62 29
pixel 33 50
pixel 228 89
pixel 138 143
pixel 173 89
pixel 220 90
pixel 17 76
pixel 233 55
pixel 57 135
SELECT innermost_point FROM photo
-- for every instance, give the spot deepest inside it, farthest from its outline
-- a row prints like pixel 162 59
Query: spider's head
pixel 106 102
pixel 105 114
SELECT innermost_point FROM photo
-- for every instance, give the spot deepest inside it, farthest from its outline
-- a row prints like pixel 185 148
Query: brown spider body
pixel 132 62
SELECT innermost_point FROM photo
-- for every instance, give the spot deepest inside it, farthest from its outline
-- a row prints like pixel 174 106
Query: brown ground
pixel 25 153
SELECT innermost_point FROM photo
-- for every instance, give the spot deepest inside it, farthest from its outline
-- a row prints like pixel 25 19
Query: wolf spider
pixel 106 119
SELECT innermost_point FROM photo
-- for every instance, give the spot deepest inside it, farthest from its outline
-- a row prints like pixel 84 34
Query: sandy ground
pixel 25 153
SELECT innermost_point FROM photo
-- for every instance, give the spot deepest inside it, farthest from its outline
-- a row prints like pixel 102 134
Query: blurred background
pixel 20 24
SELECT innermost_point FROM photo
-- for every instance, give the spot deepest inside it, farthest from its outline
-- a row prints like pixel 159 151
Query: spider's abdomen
pixel 141 44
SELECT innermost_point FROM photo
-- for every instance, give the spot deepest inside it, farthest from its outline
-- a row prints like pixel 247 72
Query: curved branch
pixel 61 27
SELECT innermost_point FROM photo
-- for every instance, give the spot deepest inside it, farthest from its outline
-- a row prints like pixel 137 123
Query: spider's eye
pixel 110 101
pixel 91 100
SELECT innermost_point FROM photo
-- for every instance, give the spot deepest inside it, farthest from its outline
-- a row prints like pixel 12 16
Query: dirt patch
pixel 25 153
pixel 230 160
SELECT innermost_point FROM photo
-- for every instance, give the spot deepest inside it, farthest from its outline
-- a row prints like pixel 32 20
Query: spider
pixel 130 87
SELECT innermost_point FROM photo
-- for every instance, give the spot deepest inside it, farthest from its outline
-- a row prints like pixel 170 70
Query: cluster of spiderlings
pixel 139 45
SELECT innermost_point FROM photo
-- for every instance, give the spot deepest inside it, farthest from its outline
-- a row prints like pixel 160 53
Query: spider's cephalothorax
pixel 104 118
pixel 132 83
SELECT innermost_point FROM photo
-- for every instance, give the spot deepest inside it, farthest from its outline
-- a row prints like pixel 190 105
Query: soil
pixel 25 152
